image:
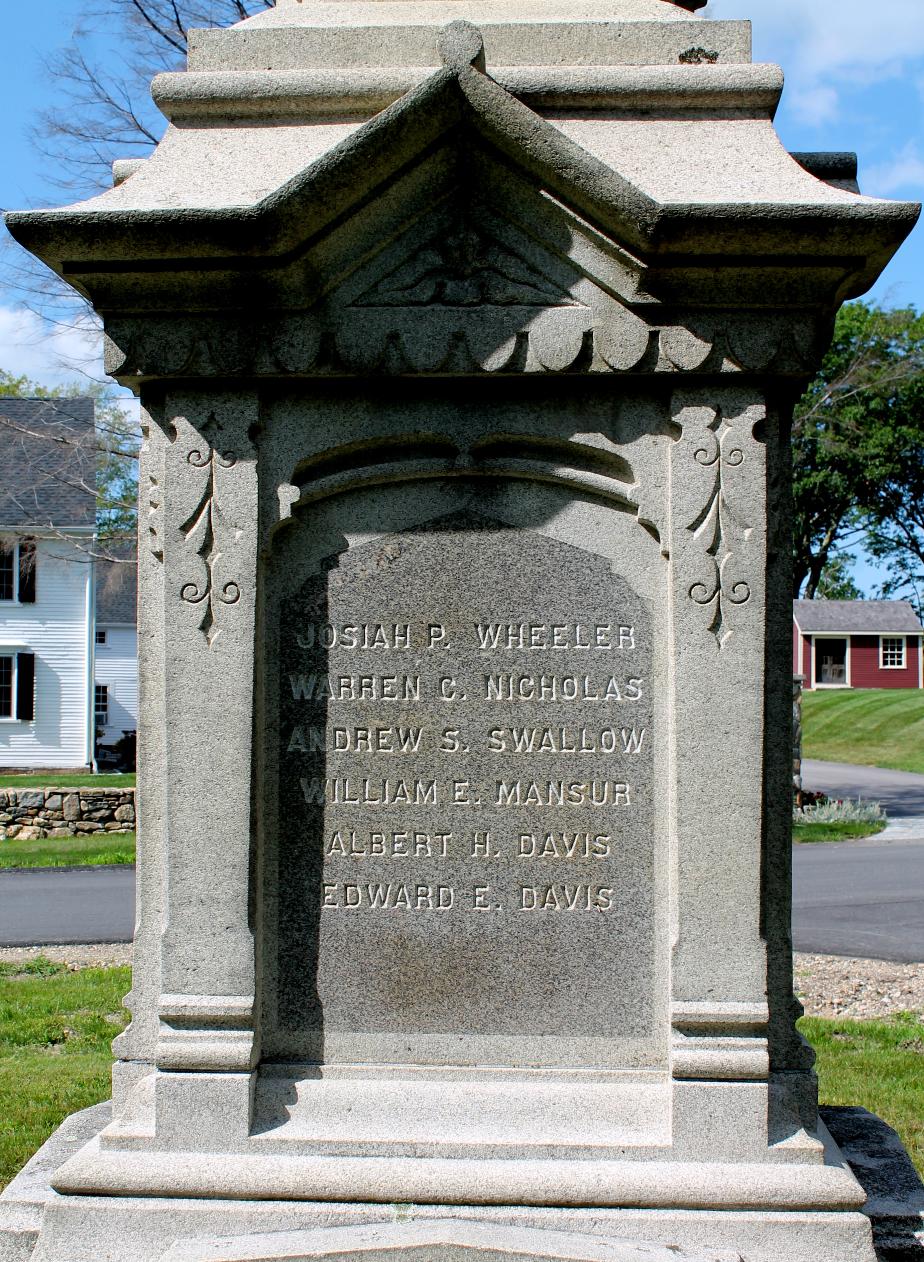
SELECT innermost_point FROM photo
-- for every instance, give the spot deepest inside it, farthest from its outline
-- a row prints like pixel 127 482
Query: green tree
pixel 894 519
pixel 857 432
pixel 836 582
pixel 116 443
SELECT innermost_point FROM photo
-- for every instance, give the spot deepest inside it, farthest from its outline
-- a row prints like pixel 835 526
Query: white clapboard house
pixel 115 640
pixel 48 590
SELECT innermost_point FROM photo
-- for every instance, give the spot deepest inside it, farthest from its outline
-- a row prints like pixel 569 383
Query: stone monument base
pixel 40 1225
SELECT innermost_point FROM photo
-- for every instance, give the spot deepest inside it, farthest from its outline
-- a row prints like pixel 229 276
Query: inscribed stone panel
pixel 465 791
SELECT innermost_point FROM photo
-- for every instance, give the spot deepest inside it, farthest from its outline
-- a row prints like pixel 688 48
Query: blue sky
pixel 31 33
pixel 854 80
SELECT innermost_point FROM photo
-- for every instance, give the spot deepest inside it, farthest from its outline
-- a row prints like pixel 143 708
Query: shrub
pixel 828 811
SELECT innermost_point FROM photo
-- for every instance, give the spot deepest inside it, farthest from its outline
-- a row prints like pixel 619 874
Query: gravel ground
pixel 828 985
pixel 835 986
pixel 103 955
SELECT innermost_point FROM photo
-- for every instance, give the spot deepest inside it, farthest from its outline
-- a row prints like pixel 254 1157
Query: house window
pixel 101 704
pixel 6 687
pixel 17 571
pixel 100 636
pixel 892 652
pixel 7 573
pixel 17 686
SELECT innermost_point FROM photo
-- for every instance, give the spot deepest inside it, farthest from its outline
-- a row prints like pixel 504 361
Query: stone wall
pixel 51 812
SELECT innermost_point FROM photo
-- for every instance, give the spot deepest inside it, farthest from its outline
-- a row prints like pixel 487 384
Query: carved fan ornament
pixel 464 269
pixel 467 292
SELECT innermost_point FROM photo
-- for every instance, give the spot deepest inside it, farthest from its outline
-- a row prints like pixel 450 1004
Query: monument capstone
pixel 467 334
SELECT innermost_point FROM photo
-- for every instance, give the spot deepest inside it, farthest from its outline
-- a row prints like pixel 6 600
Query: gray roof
pixel 117 589
pixel 870 617
pixel 47 463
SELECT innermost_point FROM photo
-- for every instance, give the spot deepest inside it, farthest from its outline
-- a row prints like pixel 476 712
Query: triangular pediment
pixel 469 265
pixel 460 230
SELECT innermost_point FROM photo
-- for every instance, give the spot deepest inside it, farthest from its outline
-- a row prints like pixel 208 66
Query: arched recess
pixel 467 647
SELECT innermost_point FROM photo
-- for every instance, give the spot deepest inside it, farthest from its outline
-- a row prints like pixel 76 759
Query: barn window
pixel 892 652
pixel 101 704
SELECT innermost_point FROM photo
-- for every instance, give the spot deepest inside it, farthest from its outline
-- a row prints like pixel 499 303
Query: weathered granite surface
pixel 895 1209
pixel 467 335
pixel 454 1241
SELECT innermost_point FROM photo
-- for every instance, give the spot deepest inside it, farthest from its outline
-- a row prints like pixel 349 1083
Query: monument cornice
pixel 687 246
pixel 670 91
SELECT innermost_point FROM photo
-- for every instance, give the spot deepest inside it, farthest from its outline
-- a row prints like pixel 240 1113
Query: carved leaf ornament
pixel 202 530
pixel 713 529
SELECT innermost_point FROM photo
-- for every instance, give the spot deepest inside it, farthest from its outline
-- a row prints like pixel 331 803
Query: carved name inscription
pixel 465 788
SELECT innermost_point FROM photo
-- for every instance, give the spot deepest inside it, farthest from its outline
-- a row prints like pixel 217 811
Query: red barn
pixel 857 644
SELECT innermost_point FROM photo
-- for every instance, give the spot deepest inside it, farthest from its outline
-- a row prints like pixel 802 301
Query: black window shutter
pixel 27 572
pixel 25 685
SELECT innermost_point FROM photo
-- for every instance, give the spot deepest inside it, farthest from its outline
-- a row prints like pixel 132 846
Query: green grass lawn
pixel 66 852
pixel 55 1031
pixel 878 1065
pixel 56 1027
pixel 879 727
pixel 53 780
pixel 841 830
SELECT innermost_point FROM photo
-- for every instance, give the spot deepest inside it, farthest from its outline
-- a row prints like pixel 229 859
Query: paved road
pixel 864 898
pixel 50 905
pixel 856 898
pixel 861 899
pixel 900 792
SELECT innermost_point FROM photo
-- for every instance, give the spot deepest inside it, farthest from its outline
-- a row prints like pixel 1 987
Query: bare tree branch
pixel 56 458
pixel 99 115
pixel 101 448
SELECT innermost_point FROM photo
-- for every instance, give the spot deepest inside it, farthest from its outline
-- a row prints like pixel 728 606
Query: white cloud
pixel 47 353
pixel 814 105
pixel 824 43
pixel 902 174
pixel 834 36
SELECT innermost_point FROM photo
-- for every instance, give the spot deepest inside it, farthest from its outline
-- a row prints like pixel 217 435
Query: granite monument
pixel 467 334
